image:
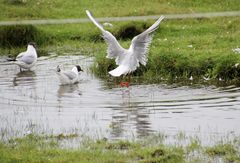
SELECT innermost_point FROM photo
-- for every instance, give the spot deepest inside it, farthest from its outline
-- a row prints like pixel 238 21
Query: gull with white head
pixel 127 59
pixel 27 59
pixel 69 76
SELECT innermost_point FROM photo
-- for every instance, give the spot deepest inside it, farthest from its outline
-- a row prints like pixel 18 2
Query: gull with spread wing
pixel 127 59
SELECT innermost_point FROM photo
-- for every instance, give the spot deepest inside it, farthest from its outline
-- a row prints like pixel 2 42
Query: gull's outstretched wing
pixel 141 42
pixel 114 48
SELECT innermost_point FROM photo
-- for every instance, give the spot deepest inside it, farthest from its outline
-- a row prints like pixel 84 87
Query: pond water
pixel 34 101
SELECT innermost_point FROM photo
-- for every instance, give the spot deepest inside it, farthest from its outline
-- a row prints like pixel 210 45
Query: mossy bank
pixel 34 148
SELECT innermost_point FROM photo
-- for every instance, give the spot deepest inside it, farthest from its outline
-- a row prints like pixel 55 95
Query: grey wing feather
pixel 20 55
pixel 114 48
pixel 26 58
pixel 141 42
pixel 70 74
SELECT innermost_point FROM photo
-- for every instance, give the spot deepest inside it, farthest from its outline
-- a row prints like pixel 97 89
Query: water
pixel 35 102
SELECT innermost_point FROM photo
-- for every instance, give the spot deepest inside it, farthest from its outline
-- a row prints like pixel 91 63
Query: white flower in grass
pixel 107 24
pixel 236 65
pixel 191 78
pixel 206 78
pixel 236 50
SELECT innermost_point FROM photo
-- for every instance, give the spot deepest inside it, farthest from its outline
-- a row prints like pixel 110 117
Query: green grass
pixel 9 36
pixel 180 48
pixel 34 148
pixel 184 48
pixel 227 151
pixel 40 9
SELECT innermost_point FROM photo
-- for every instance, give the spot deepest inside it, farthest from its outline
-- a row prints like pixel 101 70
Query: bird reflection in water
pixel 130 115
pixel 24 77
pixel 68 89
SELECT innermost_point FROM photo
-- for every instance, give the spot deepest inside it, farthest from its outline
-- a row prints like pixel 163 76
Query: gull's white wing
pixel 141 42
pixel 114 48
pixel 69 74
pixel 19 56
pixel 26 58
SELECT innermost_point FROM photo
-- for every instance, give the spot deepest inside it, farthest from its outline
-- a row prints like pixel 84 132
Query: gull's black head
pixel 33 44
pixel 79 68
pixel 58 68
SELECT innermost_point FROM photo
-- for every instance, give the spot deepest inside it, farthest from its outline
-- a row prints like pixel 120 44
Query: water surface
pixel 34 101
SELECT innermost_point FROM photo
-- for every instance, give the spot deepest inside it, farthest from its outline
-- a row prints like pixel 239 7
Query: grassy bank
pixel 40 9
pixel 180 49
pixel 33 148
pixel 201 48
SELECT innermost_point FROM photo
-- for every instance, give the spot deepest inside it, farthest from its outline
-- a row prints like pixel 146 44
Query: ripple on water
pixel 35 98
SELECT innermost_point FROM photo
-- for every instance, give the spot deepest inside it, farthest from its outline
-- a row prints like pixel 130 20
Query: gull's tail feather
pixel 11 59
pixel 120 70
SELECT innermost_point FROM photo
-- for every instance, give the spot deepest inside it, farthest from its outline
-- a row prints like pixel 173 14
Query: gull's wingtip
pixel 161 17
pixel 88 12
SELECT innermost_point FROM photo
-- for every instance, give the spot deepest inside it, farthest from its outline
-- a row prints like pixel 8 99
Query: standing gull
pixel 27 59
pixel 70 76
pixel 127 59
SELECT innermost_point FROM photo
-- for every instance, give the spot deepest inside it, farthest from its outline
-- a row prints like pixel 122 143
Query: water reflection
pixel 130 119
pixel 24 77
pixel 117 112
pixel 67 89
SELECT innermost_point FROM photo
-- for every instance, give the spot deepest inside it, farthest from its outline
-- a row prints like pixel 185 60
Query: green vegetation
pixel 40 9
pixel 227 151
pixel 201 48
pixel 34 148
pixel 9 35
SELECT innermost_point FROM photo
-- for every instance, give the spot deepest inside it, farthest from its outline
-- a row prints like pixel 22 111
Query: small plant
pixel 227 151
pixel 15 2
pixel 121 145
pixel 221 150
pixel 129 30
pixel 20 35
pixel 161 154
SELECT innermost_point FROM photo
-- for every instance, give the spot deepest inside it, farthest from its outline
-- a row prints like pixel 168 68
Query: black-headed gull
pixel 27 59
pixel 70 76
pixel 127 59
